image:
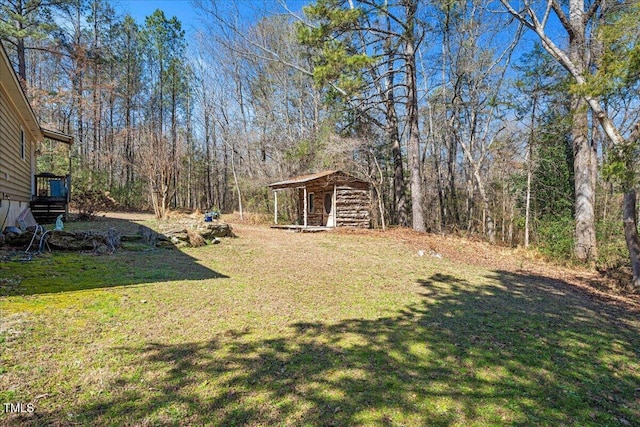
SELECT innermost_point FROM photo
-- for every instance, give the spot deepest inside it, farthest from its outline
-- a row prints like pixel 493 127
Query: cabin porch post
pixel 335 206
pixel 304 189
pixel 275 207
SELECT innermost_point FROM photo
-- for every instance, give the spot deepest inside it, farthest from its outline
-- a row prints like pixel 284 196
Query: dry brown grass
pixel 480 253
pixel 249 218
pixel 466 251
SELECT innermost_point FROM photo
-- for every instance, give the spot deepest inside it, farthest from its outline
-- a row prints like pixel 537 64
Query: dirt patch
pixel 13 326
pixel 130 216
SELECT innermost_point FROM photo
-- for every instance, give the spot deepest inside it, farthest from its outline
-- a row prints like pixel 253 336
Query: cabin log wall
pixel 352 207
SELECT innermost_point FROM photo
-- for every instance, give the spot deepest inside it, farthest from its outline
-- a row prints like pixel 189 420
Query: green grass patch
pixel 276 328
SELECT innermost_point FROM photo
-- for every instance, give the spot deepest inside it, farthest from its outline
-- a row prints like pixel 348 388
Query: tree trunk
pixel 413 147
pixel 578 25
pixel 379 195
pixel 225 178
pixel 20 47
pixel 398 171
pixel 209 191
pixel 174 136
pixel 585 158
pixel 584 165
pixel 631 234
pixel 527 213
pixel 452 150
pixel 235 180
pixel 438 174
pixel 22 63
pixel 399 190
pixel 490 225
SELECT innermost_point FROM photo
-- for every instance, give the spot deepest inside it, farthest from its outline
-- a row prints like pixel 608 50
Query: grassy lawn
pixel 330 329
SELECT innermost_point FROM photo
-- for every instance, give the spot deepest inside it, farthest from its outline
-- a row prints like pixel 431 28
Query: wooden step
pixel 46 211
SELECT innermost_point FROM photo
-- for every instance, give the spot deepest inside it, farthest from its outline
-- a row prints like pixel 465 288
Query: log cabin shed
pixel 328 199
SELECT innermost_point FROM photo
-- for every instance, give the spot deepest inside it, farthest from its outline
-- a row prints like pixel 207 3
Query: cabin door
pixel 327 210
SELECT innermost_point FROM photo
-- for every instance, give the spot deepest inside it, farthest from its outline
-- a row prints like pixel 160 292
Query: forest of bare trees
pixel 510 121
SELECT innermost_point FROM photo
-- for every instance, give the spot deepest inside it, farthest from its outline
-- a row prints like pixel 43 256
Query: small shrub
pixel 555 237
pixel 250 218
pixel 131 196
pixel 612 248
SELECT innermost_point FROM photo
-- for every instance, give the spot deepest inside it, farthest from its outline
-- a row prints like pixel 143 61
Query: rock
pixel 173 242
pixel 195 239
pixel 435 254
pixel 149 236
pixel 112 239
pixel 103 250
pixel 165 244
pixel 212 230
pixel 68 241
pixel 84 240
pixel 18 239
pixel 192 233
pixel 177 236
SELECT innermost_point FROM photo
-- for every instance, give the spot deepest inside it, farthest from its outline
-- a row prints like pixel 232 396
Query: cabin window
pixel 310 205
pixel 22 145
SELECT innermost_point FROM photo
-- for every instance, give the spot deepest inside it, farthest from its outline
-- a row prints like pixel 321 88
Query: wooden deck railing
pixel 52 197
pixel 52 186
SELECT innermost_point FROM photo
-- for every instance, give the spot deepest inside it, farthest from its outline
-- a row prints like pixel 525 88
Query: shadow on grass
pixel 520 350
pixel 64 271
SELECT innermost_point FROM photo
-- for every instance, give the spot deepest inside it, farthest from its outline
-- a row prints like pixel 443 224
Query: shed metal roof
pixel 303 179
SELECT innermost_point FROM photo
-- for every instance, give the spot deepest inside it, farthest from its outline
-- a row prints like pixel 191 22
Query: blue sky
pixel 190 17
pixel 140 9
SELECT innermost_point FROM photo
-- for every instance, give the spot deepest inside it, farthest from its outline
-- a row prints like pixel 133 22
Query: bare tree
pixel 573 61
pixel 477 73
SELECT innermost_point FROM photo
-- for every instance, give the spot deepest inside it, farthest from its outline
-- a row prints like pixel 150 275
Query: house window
pixel 310 203
pixel 22 145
